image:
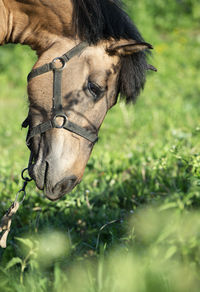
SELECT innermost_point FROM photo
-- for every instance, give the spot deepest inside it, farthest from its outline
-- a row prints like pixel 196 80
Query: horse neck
pixel 38 24
pixel 3 23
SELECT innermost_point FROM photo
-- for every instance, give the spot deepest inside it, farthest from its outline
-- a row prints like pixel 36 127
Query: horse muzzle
pixel 50 182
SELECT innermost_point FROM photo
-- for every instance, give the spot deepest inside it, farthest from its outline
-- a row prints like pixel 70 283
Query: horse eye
pixel 94 89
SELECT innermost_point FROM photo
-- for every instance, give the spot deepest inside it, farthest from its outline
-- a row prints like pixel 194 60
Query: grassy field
pixel 133 224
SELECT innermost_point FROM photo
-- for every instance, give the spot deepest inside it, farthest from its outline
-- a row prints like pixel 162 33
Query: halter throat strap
pixel 57 109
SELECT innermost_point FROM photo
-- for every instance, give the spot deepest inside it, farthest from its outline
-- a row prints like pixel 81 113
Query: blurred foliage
pixel 167 15
pixel 103 237
pixel 15 64
pixel 155 255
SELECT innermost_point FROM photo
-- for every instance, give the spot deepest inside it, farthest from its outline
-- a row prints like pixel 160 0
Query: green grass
pixel 133 222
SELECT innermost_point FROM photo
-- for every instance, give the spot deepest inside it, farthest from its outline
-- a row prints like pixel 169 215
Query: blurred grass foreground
pixel 160 252
pixel 133 224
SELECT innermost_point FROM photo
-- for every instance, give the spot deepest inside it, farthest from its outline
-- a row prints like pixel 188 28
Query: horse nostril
pixel 65 185
pixel 61 188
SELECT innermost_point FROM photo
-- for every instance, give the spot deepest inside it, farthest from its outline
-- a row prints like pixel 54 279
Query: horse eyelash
pixel 92 85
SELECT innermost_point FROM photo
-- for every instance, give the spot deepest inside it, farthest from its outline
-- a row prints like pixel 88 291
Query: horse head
pixel 89 88
pixel 87 56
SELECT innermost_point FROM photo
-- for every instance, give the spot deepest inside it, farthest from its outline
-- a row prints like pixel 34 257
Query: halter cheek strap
pixel 57 109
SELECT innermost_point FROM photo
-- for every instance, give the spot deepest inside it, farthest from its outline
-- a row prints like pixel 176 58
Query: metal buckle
pixel 63 62
pixel 65 119
pixel 25 178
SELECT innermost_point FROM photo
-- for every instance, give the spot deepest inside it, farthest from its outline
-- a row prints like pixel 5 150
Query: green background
pixel 133 222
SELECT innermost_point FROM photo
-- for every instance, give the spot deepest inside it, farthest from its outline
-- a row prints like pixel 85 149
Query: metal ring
pixel 65 119
pixel 62 60
pixel 25 178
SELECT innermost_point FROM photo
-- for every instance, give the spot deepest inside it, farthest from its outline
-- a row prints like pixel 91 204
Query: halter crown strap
pixel 57 99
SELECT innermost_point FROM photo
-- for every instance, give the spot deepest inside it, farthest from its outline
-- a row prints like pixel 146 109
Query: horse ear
pixel 127 47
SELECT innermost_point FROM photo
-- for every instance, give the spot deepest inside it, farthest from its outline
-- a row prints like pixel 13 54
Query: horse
pixel 89 53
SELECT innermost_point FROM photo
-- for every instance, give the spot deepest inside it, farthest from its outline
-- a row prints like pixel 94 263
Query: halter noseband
pixel 57 109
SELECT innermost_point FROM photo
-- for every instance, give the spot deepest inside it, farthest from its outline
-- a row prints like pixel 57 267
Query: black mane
pixel 96 20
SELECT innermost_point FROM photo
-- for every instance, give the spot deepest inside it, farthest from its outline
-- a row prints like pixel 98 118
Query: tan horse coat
pixel 59 156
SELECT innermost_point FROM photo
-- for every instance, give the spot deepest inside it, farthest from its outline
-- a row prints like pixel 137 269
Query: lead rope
pixel 7 218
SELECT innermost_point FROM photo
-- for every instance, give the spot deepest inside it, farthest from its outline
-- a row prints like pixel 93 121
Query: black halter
pixel 57 110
